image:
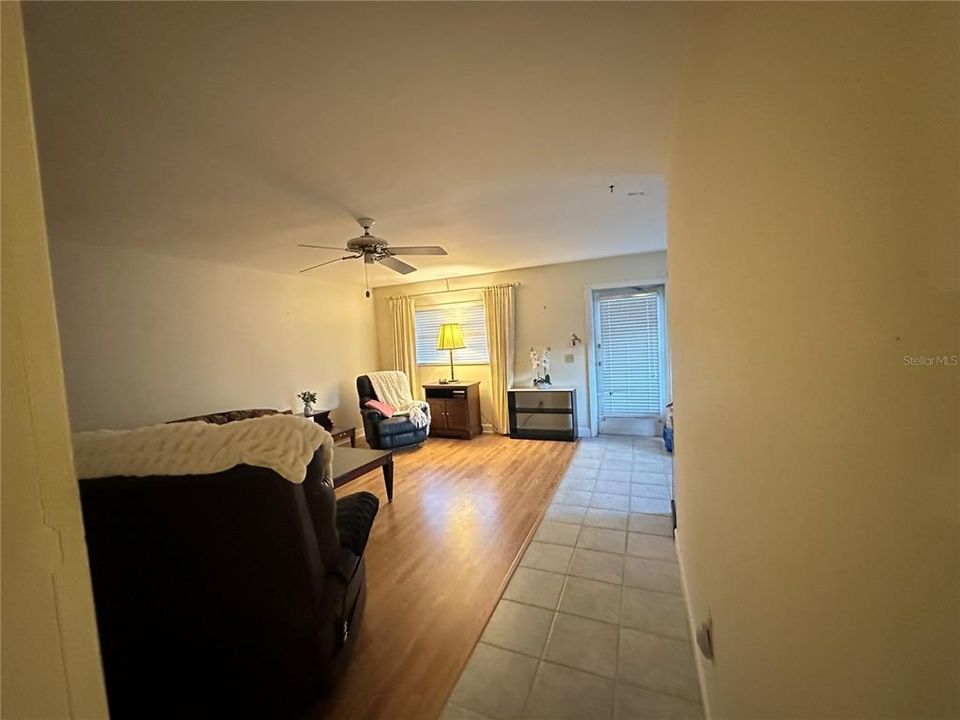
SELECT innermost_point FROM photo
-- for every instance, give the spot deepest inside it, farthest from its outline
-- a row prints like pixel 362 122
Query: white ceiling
pixel 232 131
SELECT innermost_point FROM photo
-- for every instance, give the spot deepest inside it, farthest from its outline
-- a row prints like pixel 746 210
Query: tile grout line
pixel 567 574
pixel 553 622
pixel 601 527
pixel 541 659
pixel 608 552
pixel 616 664
pixel 557 611
pixel 623 589
pixel 594 579
pixel 543 650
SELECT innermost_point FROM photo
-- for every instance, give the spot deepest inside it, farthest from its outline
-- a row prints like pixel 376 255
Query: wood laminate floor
pixel 437 561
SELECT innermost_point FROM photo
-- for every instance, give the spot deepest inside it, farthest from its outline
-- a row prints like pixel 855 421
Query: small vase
pixel 307 409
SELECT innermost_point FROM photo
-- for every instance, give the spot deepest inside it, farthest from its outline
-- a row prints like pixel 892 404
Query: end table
pixel 344 433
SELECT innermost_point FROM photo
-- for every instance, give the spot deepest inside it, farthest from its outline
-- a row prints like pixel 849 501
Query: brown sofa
pixel 222 418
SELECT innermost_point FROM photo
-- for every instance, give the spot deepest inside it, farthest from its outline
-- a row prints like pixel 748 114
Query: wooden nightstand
pixel 454 409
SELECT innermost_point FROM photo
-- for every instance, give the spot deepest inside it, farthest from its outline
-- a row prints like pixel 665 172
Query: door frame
pixel 590 343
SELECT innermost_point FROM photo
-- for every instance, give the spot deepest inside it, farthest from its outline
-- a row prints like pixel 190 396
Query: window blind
pixel 471 318
pixel 629 356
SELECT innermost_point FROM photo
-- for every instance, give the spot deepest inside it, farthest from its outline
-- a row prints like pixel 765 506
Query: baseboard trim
pixel 692 623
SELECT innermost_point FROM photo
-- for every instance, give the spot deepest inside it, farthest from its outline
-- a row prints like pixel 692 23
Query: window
pixel 471 318
pixel 630 356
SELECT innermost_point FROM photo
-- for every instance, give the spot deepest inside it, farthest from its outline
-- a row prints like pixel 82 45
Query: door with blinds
pixel 631 360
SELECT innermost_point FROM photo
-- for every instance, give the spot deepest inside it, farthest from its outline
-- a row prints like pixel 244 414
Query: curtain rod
pixel 448 290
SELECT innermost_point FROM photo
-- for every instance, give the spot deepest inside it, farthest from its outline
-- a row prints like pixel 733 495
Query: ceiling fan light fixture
pixel 375 250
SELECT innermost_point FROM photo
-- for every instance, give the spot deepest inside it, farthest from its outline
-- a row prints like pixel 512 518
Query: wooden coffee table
pixel 351 463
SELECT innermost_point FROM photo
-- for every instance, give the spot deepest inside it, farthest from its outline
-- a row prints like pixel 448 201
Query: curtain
pixel 498 306
pixel 405 342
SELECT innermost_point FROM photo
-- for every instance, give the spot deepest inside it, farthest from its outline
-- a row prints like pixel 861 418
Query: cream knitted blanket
pixel 393 388
pixel 282 443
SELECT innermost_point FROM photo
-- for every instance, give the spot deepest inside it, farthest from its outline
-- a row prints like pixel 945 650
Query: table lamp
pixel 450 338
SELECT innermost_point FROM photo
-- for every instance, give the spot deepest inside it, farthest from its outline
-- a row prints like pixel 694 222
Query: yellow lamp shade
pixel 451 337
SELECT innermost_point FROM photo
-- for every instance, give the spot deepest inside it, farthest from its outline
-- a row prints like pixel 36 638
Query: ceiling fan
pixel 375 250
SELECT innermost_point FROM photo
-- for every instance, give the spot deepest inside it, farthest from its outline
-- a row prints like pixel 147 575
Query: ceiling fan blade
pixel 417 250
pixel 328 262
pixel 397 265
pixel 321 247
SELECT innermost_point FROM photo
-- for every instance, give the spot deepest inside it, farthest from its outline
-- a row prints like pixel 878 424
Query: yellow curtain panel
pixel 498 306
pixel 405 342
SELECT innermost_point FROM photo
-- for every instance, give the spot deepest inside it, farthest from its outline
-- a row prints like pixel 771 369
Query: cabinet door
pixel 438 413
pixel 457 414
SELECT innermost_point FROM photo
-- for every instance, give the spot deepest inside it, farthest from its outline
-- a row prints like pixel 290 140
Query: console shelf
pixel 543 414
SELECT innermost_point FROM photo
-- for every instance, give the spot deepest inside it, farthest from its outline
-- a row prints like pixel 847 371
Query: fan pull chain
pixel 366 282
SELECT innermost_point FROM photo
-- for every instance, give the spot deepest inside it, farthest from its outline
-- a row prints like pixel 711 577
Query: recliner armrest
pixel 355 515
pixel 372 415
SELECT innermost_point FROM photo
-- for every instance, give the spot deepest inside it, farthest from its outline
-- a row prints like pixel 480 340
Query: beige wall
pixel 50 655
pixel 148 338
pixel 813 200
pixel 551 305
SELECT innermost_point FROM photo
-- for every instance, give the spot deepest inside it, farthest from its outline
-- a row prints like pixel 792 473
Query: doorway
pixel 631 360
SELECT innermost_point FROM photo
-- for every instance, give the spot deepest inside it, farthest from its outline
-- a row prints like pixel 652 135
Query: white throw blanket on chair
pixel 283 443
pixel 393 388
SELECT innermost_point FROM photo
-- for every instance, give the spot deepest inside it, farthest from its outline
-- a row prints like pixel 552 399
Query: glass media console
pixel 549 414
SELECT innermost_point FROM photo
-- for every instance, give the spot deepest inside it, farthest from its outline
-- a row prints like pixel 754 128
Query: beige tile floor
pixel 593 623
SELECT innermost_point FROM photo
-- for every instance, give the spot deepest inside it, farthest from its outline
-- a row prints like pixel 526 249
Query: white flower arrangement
pixel 540 364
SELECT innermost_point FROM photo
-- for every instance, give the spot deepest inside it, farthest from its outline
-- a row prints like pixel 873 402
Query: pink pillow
pixel 386 410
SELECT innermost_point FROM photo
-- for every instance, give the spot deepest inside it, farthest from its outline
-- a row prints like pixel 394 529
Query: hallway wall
pixel 50 653
pixel 813 195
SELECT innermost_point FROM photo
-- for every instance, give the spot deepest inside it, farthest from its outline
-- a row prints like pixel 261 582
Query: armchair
pixel 232 594
pixel 385 433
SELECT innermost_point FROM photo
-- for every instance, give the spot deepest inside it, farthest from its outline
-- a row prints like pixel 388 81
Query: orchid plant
pixel 540 364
